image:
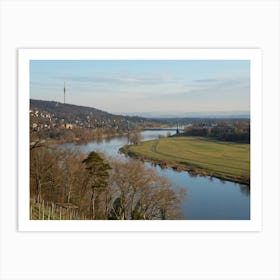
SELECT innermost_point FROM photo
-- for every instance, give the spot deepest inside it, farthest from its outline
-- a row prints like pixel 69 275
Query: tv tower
pixel 64 91
pixel 177 130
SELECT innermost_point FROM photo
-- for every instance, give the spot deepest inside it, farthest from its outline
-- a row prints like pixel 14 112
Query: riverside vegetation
pixel 70 185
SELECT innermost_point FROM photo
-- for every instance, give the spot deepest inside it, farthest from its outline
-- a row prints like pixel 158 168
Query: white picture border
pixel 255 57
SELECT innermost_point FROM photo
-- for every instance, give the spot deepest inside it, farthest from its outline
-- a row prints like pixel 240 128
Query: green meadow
pixel 198 155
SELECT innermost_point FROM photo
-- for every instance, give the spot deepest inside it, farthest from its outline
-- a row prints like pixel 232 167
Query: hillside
pixel 67 110
pixel 70 111
pixel 54 114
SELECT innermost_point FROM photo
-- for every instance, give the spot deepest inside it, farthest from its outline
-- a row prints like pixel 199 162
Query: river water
pixel 207 198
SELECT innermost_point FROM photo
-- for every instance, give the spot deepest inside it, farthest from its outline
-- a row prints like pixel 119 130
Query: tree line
pixel 101 188
pixel 238 131
pixel 64 135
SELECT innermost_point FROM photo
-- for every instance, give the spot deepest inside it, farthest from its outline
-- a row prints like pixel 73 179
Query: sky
pixel 156 87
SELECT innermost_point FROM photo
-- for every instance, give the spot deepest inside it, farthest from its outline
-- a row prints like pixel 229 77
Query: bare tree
pixel 140 193
pixel 101 188
pixel 135 138
pixel 43 169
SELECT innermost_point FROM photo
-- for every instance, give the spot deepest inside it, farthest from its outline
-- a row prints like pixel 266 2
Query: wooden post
pixel 49 214
pixel 39 210
pixel 52 215
pixel 43 210
pixel 30 212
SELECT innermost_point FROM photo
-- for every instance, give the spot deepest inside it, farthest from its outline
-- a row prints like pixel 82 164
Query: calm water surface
pixel 207 198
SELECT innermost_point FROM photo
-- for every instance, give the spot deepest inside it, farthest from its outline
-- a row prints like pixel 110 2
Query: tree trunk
pixel 69 193
pixel 92 202
pixel 39 191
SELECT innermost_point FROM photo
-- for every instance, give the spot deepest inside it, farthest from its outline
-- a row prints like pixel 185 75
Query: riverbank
pixel 78 140
pixel 199 156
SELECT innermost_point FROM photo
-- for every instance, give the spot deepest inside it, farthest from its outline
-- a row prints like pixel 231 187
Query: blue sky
pixel 145 86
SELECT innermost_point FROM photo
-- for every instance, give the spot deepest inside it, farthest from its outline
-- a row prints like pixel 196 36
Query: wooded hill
pixel 81 116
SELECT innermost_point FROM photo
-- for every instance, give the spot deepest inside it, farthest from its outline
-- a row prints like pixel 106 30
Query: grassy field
pixel 225 160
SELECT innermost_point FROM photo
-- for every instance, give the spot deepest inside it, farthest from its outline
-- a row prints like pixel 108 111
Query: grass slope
pixel 225 160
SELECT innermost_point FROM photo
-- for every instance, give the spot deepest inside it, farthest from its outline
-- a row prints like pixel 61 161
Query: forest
pixel 73 185
pixel 230 130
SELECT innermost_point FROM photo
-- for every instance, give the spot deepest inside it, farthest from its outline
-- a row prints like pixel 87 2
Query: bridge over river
pixel 163 129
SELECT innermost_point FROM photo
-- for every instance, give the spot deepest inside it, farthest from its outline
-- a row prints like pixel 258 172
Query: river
pixel 207 198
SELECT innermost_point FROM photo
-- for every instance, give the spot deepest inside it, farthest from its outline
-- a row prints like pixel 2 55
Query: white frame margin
pixel 255 57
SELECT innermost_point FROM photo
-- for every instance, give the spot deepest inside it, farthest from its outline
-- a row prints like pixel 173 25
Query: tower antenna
pixel 64 92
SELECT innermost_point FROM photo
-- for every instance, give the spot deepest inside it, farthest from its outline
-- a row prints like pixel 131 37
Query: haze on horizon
pixel 148 87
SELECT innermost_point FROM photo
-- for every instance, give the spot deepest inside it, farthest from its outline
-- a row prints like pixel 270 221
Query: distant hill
pixel 82 116
pixel 67 110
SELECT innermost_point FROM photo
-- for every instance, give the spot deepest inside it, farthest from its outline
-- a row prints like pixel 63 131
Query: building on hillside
pixel 69 126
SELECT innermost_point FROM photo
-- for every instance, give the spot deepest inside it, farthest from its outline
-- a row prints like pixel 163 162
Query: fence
pixel 46 210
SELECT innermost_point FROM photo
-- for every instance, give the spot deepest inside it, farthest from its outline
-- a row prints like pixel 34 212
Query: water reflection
pixel 245 190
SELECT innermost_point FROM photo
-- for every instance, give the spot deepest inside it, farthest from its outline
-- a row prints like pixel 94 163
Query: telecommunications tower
pixel 177 130
pixel 64 91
